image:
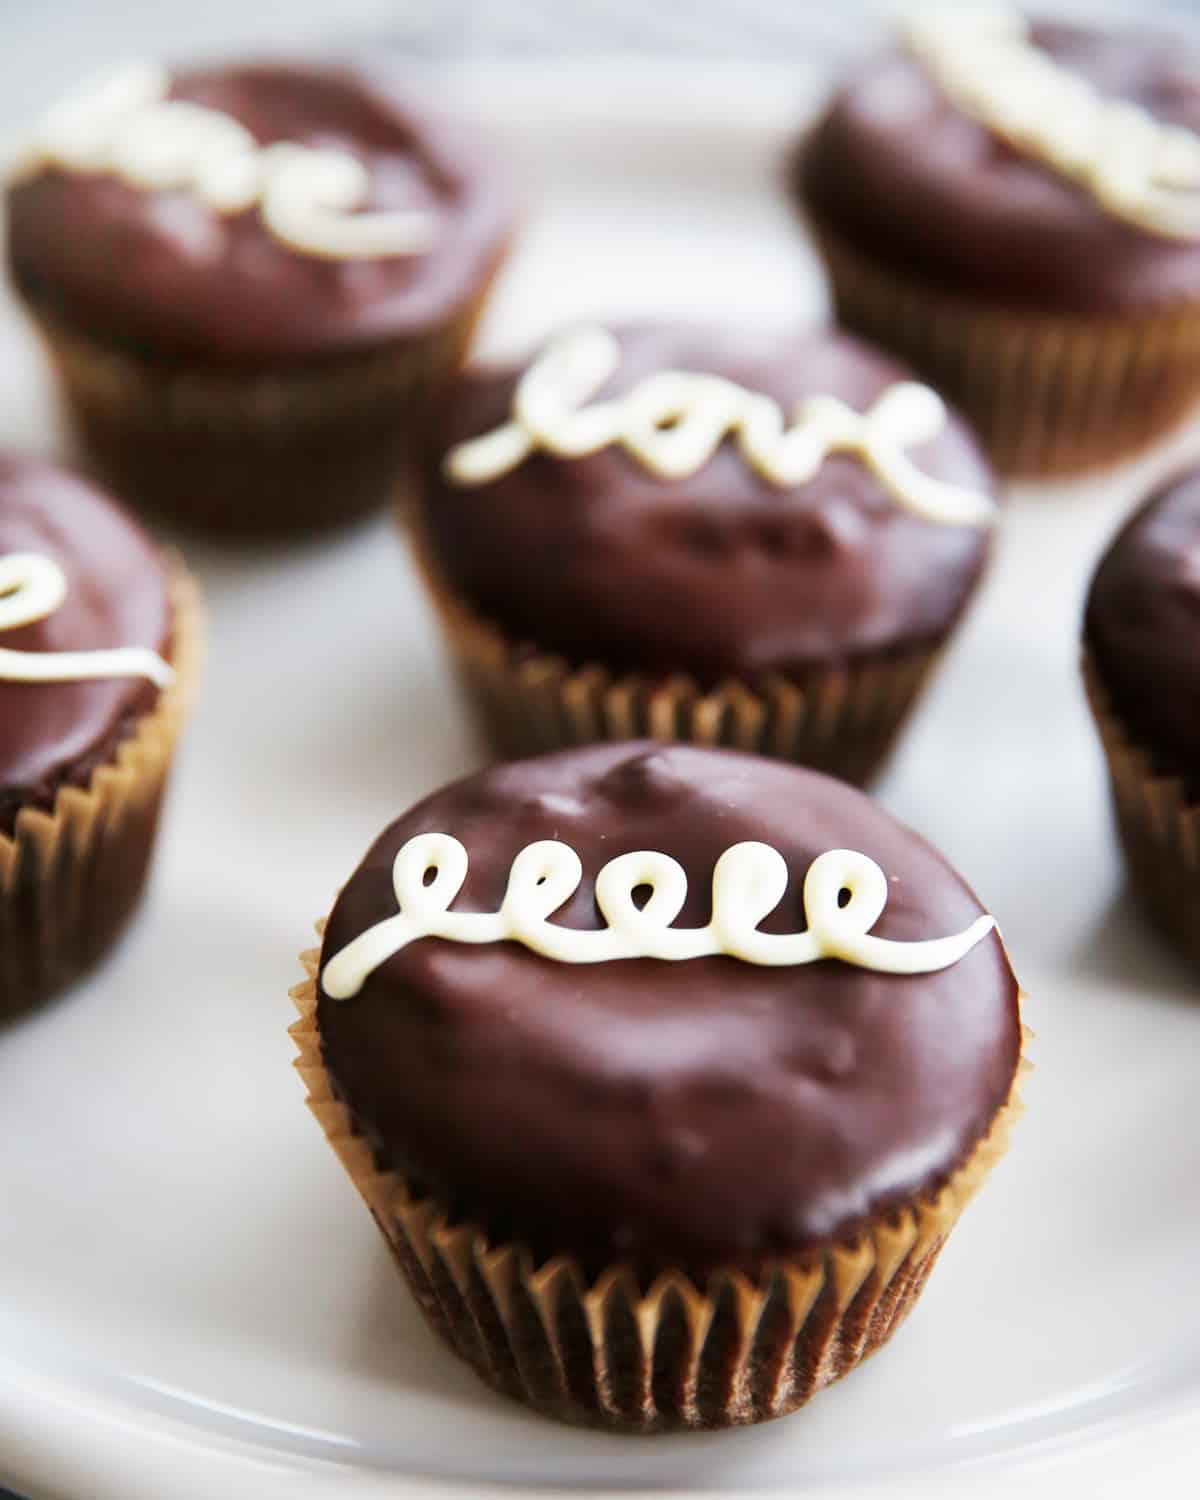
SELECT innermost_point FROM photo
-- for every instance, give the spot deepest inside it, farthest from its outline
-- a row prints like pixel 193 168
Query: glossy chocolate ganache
pixel 716 564
pixel 704 1112
pixel 116 599
pixel 904 176
pixel 170 273
pixel 1143 627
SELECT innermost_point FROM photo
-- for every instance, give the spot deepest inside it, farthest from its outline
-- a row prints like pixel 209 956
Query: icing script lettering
pixel 127 127
pixel 673 422
pixel 1134 166
pixel 844 895
pixel 32 587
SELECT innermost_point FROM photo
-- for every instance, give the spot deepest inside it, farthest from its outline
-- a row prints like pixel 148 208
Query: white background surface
pixel 192 1299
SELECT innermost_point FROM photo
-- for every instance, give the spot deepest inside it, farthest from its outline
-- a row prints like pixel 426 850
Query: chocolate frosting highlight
pixel 719 574
pixel 1142 626
pixel 703 1113
pixel 222 288
pixel 904 177
pixel 52 733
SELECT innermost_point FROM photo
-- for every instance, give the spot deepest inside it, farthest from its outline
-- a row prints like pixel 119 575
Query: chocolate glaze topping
pixel 1143 626
pixel 56 733
pixel 720 574
pixel 902 176
pixel 167 274
pixel 706 1112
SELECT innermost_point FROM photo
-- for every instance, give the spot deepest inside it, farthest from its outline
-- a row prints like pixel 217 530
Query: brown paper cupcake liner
pixel 1158 824
pixel 843 721
pixel 260 452
pixel 71 878
pixel 603 1351
pixel 1048 396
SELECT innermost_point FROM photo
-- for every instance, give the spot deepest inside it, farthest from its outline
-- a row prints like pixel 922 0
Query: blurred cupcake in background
pixel 1142 667
pixel 1014 207
pixel 250 279
pixel 100 639
pixel 756 541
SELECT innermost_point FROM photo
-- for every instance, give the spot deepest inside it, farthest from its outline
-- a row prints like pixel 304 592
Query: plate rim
pixel 89 1450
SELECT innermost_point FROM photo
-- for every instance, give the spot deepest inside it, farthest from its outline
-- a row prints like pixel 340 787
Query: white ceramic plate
pixel 193 1301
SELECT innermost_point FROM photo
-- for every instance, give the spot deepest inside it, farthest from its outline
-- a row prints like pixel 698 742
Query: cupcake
pixel 99 646
pixel 666 1163
pixel 1142 668
pixel 694 534
pixel 1014 207
pixel 249 280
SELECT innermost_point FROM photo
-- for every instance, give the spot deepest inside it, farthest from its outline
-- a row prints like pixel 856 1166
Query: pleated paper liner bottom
pixel 604 1352
pixel 1158 824
pixel 257 452
pixel 843 721
pixel 1049 396
pixel 71 878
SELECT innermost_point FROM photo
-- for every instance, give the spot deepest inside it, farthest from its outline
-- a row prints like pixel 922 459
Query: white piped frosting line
pixel 125 126
pixel 1134 166
pixel 749 882
pixel 673 422
pixel 32 587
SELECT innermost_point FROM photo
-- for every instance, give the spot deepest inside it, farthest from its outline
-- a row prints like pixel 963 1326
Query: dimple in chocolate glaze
pixel 222 288
pixel 705 1113
pixel 117 597
pixel 719 573
pixel 898 171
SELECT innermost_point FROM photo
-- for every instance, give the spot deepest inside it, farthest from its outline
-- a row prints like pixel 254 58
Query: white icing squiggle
pixel 33 587
pixel 1135 167
pixel 749 881
pixel 126 126
pixel 673 422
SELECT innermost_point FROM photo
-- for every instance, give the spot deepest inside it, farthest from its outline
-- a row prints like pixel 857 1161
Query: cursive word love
pixel 33 587
pixel 1134 166
pixel 844 895
pixel 673 422
pixel 126 126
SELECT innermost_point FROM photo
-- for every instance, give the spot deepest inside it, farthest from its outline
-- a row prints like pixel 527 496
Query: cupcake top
pixel 733 1096
pixel 85 627
pixel 688 500
pixel 270 211
pixel 1143 626
pixel 1000 158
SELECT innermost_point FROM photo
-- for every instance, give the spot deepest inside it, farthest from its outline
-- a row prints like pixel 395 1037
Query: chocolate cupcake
pixel 673 1162
pixel 628 538
pixel 1142 667
pixel 1015 208
pixel 250 279
pixel 99 646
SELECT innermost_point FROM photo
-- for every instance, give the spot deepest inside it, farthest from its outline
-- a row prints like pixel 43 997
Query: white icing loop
pixel 33 587
pixel 748 883
pixel 126 126
pixel 1134 166
pixel 673 422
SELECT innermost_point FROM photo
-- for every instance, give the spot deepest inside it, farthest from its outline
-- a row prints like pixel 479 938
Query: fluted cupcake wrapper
pixel 843 720
pixel 605 1352
pixel 1158 824
pixel 1049 396
pixel 70 878
pixel 263 452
